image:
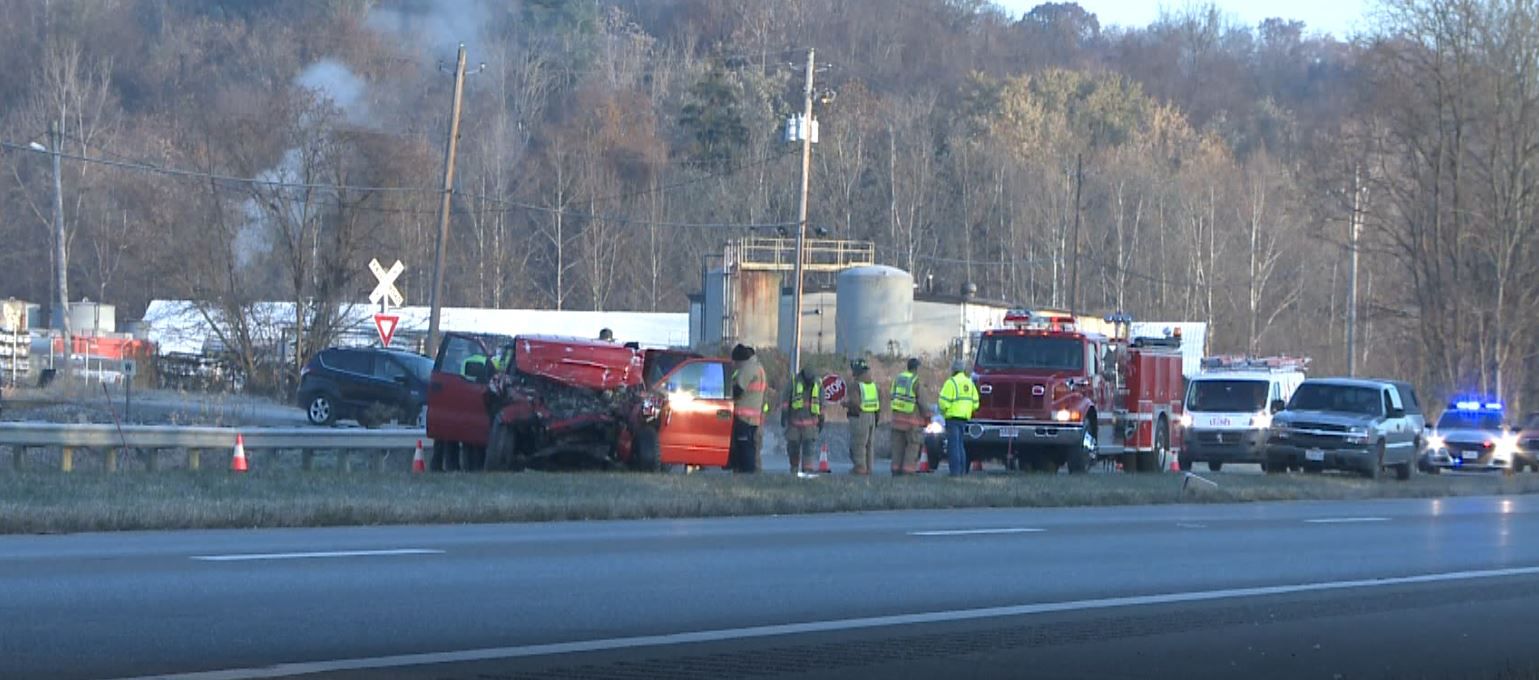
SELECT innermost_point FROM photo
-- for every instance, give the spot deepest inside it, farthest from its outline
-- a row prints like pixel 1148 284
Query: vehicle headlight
pixel 1261 420
pixel 1507 446
pixel 1436 443
pixel 1063 415
pixel 1357 435
pixel 1186 420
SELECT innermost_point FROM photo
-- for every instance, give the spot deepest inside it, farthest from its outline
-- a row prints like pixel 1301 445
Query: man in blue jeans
pixel 958 401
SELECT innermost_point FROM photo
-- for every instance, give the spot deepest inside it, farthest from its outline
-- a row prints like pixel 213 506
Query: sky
pixel 1339 17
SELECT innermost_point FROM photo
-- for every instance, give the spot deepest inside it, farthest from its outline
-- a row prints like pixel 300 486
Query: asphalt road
pixel 1418 588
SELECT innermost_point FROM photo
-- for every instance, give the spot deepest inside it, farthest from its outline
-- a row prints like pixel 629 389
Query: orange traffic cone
pixel 417 464
pixel 238 463
pixel 924 460
pixel 823 460
pixel 977 466
pixel 1175 462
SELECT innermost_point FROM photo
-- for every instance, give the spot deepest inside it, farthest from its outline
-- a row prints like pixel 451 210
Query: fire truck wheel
pixel 1215 466
pixel 646 451
pixel 1152 461
pixel 1079 460
pixel 499 448
pixel 1043 462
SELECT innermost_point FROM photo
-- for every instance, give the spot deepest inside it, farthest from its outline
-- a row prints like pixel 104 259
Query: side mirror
pixel 1396 413
pixel 1278 405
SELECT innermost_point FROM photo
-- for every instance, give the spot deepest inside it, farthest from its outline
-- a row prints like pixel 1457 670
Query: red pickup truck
pixel 499 402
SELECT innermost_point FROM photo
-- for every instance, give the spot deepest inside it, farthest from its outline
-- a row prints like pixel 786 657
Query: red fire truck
pixel 1053 394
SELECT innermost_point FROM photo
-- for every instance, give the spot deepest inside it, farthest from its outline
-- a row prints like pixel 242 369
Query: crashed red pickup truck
pixel 546 402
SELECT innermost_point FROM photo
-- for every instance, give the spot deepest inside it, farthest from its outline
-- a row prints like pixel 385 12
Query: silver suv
pixel 1348 424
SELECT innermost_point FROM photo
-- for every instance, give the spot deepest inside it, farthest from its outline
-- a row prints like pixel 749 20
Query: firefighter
pixel 864 404
pixel 909 416
pixel 748 385
pixel 802 419
pixel 958 401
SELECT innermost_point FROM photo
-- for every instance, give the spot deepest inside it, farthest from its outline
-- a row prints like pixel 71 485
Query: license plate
pixel 1315 455
pixel 1009 432
pixel 1469 455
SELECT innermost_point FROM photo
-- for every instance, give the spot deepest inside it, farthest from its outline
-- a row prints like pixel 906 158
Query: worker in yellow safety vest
pixel 958 401
pixel 748 409
pixel 864 404
pixel 909 417
pixel 802 420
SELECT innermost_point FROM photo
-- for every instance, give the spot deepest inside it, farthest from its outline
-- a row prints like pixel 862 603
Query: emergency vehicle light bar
pixel 1477 406
pixel 1242 363
pixel 1055 321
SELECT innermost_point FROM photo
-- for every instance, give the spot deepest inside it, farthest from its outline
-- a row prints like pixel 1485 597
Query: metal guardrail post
pixel 194 459
pixel 111 461
pixel 152 460
pixel 307 460
pixel 67 459
pixel 17 453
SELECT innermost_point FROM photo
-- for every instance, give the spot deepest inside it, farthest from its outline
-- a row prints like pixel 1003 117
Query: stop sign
pixel 833 388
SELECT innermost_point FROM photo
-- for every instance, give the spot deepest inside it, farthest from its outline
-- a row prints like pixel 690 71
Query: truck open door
pixel 457 391
pixel 697 423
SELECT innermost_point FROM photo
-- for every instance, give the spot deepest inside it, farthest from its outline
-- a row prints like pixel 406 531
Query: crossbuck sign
pixel 386 290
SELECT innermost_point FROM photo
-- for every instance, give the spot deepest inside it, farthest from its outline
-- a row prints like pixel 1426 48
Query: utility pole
pixel 60 247
pixel 1079 179
pixel 439 249
pixel 1355 227
pixel 801 220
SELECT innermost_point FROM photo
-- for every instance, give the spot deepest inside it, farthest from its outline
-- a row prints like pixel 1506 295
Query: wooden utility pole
pixel 1079 179
pixel 801 219
pixel 60 246
pixel 1355 228
pixel 439 249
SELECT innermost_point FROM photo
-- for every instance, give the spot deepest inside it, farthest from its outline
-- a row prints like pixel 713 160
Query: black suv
pixel 370 385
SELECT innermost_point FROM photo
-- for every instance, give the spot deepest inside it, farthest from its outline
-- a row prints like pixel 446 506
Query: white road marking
pixel 720 635
pixel 976 532
pixel 1346 520
pixel 1188 525
pixel 315 555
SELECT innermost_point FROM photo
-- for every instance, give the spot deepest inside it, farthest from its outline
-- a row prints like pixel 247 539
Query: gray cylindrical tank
pixel 92 317
pixel 756 308
pixel 876 311
pixel 713 311
pixel 137 328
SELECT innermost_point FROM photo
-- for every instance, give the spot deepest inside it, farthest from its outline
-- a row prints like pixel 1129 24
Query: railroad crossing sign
pixel 833 388
pixel 386 324
pixel 386 290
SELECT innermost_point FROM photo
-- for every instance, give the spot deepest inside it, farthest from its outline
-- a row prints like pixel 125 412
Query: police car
pixel 1473 435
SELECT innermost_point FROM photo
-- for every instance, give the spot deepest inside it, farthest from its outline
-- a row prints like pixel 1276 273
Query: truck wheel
pixel 1079 456
pixel 500 448
pixel 1274 467
pixel 1376 466
pixel 646 451
pixel 1403 471
pixel 1185 462
pixel 1215 465
pixel 1151 461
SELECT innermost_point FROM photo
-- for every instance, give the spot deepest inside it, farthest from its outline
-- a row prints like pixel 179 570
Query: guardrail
pixel 155 440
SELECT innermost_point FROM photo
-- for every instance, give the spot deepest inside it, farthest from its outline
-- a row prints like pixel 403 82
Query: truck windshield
pixel 1338 398
pixel 1454 419
pixel 1228 396
pixel 1017 351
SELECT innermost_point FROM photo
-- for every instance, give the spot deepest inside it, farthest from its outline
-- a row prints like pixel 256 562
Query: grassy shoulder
pixel 46 501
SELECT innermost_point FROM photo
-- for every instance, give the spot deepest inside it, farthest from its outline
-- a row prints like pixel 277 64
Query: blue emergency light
pixel 1478 406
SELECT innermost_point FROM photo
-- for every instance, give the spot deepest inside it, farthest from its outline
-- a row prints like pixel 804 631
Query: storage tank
pixel 876 311
pixel 93 318
pixel 138 329
pixel 756 308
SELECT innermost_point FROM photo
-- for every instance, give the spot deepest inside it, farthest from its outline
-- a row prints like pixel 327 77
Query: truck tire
pixel 646 451
pixel 1079 456
pixel 1185 462
pixel 1215 465
pixel 500 448
pixel 1404 470
pixel 1274 466
pixel 1376 466
pixel 1149 461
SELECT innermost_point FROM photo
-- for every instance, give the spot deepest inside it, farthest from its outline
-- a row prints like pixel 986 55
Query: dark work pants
pixel 744 455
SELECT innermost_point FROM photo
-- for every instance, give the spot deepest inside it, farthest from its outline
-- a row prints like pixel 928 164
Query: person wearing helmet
pixel 958 401
pixel 864 405
pixel 909 416
pixel 606 335
pixel 748 387
pixel 802 419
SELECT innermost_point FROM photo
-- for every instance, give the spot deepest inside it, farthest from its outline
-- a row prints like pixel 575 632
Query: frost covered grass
pixel 50 501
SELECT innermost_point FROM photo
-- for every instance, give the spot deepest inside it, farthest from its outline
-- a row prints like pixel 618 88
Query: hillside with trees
pixel 234 151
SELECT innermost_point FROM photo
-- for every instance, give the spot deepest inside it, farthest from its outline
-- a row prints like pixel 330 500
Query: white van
pixel 1229 408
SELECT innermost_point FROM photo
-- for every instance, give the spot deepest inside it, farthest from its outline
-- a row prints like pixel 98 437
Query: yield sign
pixel 386 288
pixel 385 324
